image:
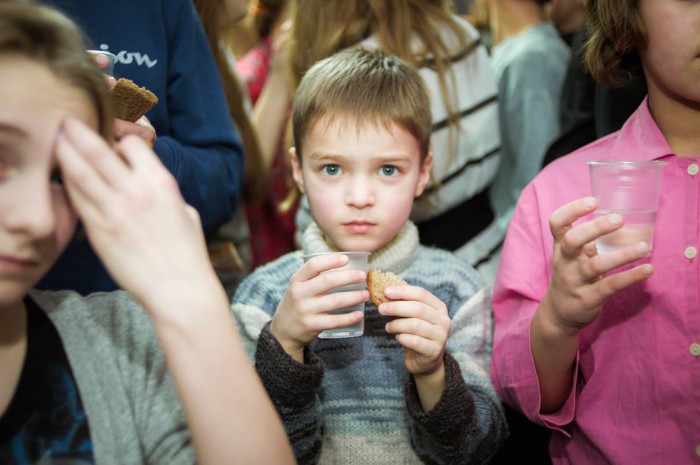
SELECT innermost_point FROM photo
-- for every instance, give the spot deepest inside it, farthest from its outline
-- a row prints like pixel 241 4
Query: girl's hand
pixel 303 312
pixel 138 223
pixel 579 282
pixel 421 325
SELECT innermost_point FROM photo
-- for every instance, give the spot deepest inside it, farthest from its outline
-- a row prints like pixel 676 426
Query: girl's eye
pixel 331 170
pixel 388 170
pixel 57 178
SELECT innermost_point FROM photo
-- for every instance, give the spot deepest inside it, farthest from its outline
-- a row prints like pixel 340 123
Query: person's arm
pixel 272 108
pixel 465 423
pixel 293 387
pixel 528 118
pixel 196 140
pixel 576 293
pixel 152 243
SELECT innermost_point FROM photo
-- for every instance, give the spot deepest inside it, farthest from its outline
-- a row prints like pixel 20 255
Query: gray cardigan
pixel 133 411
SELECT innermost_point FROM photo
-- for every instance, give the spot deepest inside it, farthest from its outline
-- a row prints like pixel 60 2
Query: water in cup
pixel 638 227
pixel 631 189
pixel 356 261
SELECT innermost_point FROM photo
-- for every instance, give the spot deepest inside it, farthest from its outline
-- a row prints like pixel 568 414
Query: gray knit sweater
pixel 353 401
pixel 133 411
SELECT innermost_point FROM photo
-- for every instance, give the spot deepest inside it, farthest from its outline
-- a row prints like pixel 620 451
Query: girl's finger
pixel 605 262
pixel 614 283
pixel 581 235
pixel 561 219
pixel 96 153
pixel 86 189
pixel 138 154
pixel 325 321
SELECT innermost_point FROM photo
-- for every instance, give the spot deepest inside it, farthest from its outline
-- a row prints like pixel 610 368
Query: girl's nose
pixel 32 212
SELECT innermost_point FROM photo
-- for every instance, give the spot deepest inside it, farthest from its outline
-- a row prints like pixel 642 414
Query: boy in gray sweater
pixel 415 387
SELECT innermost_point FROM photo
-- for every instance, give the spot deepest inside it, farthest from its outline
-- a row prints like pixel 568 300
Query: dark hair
pixel 615 34
pixel 368 86
pixel 43 34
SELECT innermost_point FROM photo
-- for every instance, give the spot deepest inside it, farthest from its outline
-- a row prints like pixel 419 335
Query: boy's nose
pixel 360 194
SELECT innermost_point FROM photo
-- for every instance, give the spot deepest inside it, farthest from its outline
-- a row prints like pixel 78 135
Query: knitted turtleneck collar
pixel 396 256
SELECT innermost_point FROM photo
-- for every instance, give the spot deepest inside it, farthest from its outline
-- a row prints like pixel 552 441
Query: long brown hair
pixel 615 33
pixel 255 187
pixel 43 34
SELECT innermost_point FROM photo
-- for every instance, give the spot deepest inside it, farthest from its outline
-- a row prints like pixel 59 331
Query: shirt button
pixel 695 349
pixel 693 169
pixel 690 252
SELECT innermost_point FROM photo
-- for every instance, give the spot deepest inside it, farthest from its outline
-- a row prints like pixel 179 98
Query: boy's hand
pixel 579 283
pixel 421 325
pixel 303 312
pixel 135 217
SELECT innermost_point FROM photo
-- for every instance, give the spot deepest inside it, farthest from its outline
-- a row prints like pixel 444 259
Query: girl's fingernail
pixel 642 248
pixel 615 218
pixel 589 202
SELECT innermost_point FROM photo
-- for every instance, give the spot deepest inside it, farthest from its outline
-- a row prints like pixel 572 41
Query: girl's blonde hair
pixel 42 34
pixel 615 34
pixel 255 186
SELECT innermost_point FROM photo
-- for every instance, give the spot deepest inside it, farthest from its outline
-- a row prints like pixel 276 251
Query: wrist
pixel 430 387
pixel 551 324
pixel 294 349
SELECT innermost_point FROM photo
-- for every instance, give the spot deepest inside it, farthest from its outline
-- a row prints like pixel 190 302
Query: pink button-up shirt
pixel 636 394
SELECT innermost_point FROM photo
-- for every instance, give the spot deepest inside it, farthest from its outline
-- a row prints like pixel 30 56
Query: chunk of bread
pixel 377 281
pixel 130 101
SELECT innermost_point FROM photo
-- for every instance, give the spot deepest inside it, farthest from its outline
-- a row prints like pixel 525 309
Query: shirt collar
pixel 640 138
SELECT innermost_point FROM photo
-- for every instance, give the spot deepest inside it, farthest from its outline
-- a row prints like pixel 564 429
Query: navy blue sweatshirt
pixel 160 44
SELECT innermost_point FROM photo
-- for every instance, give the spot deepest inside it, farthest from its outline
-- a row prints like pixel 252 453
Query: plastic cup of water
pixel 632 189
pixel 356 261
pixel 105 61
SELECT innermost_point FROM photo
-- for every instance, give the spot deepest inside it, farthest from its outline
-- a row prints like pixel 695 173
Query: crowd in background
pixel 504 348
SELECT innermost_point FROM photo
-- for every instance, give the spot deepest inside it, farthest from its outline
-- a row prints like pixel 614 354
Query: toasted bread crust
pixel 377 281
pixel 130 101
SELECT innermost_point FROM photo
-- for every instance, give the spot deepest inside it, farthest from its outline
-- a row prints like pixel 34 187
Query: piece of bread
pixel 378 281
pixel 130 101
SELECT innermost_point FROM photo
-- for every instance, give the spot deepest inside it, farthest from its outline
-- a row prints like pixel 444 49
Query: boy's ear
pixel 424 174
pixel 296 169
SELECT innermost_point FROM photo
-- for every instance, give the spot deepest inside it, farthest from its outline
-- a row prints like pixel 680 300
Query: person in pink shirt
pixel 604 349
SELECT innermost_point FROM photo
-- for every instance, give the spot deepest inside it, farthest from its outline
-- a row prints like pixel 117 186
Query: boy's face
pixel 36 220
pixel 671 59
pixel 360 182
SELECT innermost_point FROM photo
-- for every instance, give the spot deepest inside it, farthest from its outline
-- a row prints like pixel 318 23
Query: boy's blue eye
pixel 388 170
pixel 331 170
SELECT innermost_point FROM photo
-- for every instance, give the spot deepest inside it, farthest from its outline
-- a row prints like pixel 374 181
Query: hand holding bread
pixel 417 317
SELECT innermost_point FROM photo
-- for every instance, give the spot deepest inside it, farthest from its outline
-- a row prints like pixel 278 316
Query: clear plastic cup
pixel 632 189
pixel 105 60
pixel 356 261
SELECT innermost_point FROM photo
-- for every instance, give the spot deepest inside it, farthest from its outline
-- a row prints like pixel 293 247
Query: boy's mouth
pixel 359 227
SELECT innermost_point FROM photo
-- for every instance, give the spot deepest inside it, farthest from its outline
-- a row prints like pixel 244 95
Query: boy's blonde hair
pixel 615 34
pixel 366 86
pixel 42 34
